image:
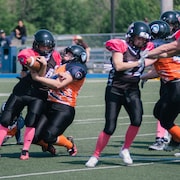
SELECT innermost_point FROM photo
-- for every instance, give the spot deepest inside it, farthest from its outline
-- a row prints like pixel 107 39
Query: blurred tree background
pixel 77 17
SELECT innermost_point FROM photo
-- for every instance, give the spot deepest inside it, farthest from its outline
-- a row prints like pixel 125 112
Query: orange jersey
pixel 168 68
pixel 68 94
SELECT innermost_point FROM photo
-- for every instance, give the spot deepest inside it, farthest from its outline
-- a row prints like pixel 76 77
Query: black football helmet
pixel 140 29
pixel 159 29
pixel 43 37
pixel 172 18
pixel 79 53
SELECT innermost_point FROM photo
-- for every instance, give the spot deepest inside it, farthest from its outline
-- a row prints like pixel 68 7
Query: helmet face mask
pixel 43 38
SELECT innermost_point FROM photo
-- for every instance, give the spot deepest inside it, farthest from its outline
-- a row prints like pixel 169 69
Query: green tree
pixel 77 17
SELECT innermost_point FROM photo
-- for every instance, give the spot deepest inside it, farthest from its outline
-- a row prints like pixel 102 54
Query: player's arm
pixel 165 50
pixel 119 65
pixel 61 81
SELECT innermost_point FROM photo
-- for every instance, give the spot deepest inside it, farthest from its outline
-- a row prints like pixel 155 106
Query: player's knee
pixel 5 122
pixel 156 113
pixel 49 137
pixel 136 123
pixel 31 119
pixel 165 124
pixel 109 131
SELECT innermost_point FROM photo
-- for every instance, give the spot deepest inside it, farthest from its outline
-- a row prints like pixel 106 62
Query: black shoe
pixel 73 150
pixel 50 149
pixel 19 143
pixel 172 146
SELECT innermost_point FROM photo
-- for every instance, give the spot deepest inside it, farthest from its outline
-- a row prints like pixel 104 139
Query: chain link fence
pixel 99 56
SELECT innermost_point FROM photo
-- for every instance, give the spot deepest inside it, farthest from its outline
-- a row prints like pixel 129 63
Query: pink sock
pixel 3 133
pixel 130 135
pixel 28 137
pixel 102 141
pixel 160 132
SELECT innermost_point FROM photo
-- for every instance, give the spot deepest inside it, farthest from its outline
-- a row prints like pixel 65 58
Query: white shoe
pixel 92 162
pixel 124 154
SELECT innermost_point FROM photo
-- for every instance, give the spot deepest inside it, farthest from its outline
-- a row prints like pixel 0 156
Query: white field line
pixel 164 160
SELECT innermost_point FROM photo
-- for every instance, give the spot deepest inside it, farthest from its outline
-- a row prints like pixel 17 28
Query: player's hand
pixel 42 60
pixel 141 61
pixel 143 55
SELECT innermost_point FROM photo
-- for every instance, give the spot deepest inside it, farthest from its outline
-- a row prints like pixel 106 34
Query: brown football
pixel 33 63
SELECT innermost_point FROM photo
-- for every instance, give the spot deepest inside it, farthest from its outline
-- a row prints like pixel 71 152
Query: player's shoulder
pixel 77 70
pixel 118 45
pixel 76 65
pixel 27 52
pixel 149 46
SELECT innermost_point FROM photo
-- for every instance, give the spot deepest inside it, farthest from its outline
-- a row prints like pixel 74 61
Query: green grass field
pixel 89 121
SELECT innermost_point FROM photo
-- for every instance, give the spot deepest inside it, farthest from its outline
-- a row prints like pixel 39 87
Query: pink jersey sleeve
pixel 177 34
pixel 116 45
pixel 149 46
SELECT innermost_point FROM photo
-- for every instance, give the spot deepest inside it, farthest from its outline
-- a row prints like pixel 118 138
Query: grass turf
pixel 89 121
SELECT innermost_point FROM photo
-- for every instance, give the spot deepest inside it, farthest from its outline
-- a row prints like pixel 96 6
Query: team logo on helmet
pixel 155 28
pixel 78 75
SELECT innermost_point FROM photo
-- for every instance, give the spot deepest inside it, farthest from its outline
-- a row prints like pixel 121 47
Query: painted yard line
pixel 68 171
pixel 4 94
pixel 164 160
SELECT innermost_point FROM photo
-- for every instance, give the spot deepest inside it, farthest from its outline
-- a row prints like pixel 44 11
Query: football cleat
pixel 92 162
pixel 158 145
pixel 19 143
pixel 24 155
pixel 125 155
pixel 50 149
pixel 73 150
pixel 173 145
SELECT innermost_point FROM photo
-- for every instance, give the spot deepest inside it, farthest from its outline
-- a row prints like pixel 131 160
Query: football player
pixel 15 128
pixel 123 90
pixel 29 93
pixel 64 89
